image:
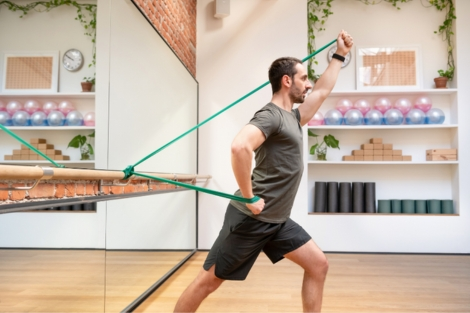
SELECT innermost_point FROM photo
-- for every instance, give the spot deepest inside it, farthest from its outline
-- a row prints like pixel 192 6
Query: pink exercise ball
pixel 66 107
pixel 3 106
pixel 344 105
pixel 89 119
pixel 403 105
pixel 14 106
pixel 423 103
pixel 317 119
pixel 49 106
pixel 32 106
pixel 382 104
pixel 362 105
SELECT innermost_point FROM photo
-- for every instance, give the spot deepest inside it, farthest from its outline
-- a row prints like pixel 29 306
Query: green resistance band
pixel 12 134
pixel 212 192
pixel 128 171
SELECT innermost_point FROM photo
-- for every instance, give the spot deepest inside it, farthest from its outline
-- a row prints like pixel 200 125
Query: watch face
pixel 72 60
pixel 347 57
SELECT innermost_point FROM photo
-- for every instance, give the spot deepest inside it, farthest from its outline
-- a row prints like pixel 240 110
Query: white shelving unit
pixel 417 179
pixel 58 136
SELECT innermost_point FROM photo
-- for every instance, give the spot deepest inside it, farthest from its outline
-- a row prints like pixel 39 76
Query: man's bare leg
pixel 315 265
pixel 205 283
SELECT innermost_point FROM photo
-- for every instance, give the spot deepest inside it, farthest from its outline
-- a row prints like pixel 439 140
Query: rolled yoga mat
pixel 396 206
pixel 447 207
pixel 320 201
pixel 369 198
pixel 345 198
pixel 358 197
pixel 385 206
pixel 333 205
pixel 420 206
pixel 434 206
pixel 408 206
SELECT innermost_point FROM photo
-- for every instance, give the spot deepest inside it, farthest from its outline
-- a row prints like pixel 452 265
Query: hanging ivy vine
pixel 319 10
pixel 86 15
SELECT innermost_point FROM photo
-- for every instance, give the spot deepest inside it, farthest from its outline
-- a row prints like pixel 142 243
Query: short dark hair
pixel 279 68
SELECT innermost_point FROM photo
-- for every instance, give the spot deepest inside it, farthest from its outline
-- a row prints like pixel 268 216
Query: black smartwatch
pixel 338 57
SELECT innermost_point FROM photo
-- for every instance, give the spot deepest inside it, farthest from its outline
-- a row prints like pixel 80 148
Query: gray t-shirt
pixel 279 163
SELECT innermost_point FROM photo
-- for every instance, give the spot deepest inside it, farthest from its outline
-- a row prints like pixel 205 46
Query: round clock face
pixel 332 51
pixel 72 60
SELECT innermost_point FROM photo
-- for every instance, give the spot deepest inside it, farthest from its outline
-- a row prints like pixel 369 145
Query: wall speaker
pixel 222 8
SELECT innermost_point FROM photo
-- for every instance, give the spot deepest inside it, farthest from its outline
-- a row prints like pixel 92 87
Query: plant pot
pixel 441 82
pixel 86 86
pixel 321 153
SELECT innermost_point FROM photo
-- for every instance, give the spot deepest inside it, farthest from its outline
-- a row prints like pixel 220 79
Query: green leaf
pixel 311 134
pixel 75 142
pixel 313 148
pixel 92 135
pixel 90 148
pixel 331 141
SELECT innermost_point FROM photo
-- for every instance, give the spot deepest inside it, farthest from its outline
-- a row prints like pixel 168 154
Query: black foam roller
pixel 358 197
pixel 345 198
pixel 76 207
pixel 320 200
pixel 89 206
pixel 369 198
pixel 333 205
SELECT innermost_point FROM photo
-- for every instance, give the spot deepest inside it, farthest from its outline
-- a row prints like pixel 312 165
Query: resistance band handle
pixel 12 134
pixel 128 170
pixel 197 188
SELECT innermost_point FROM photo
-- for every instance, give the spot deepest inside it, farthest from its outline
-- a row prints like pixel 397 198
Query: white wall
pixel 233 58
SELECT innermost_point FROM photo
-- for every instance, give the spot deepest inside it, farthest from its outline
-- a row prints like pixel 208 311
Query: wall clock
pixel 72 60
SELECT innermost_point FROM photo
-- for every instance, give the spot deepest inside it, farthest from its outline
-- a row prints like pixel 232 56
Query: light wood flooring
pixel 355 283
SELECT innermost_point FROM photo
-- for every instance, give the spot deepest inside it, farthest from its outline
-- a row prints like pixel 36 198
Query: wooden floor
pixel 95 281
pixel 78 280
pixel 355 283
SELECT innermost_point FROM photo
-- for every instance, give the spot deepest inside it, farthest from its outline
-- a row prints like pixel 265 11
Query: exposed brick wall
pixel 175 20
pixel 57 189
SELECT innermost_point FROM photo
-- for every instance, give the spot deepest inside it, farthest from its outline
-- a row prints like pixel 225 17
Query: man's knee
pixel 319 266
pixel 207 281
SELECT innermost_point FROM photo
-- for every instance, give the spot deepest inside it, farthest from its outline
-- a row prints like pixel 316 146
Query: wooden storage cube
pixel 358 158
pixel 24 147
pixel 17 152
pixel 367 146
pixel 441 151
pixel 378 158
pixel 368 152
pixel 24 152
pixel 441 157
pixel 16 157
pixel 8 157
pixel 396 152
pixel 388 158
pixel 61 157
pixel 37 140
pixel 376 140
pixel 24 157
pixel 33 157
pixel 388 146
pixel 45 146
pixel 388 152
pixel 358 152
pixel 378 146
pixel 397 158
pixel 378 152
pixel 53 152
pixel 348 157
pixel 368 158
pixel 407 158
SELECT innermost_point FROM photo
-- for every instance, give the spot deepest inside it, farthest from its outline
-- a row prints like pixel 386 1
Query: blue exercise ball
pixel 333 117
pixel 56 118
pixel 74 118
pixel 353 117
pixel 373 117
pixel 435 116
pixel 415 117
pixel 39 119
pixel 21 118
pixel 393 117
pixel 5 118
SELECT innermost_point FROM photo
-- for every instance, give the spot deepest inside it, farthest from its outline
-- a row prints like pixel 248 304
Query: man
pixel 275 135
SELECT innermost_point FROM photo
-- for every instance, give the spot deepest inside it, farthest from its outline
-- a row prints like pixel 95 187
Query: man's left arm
pixel 327 81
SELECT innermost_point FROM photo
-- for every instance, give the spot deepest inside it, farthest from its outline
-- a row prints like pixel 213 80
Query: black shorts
pixel 242 238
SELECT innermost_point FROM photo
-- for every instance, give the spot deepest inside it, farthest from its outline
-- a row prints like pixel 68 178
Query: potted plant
pixel 444 76
pixel 86 149
pixel 87 84
pixel 321 149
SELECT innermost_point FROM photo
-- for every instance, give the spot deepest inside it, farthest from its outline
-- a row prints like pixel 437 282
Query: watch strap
pixel 338 57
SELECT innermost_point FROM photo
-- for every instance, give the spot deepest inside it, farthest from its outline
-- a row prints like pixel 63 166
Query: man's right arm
pixel 243 146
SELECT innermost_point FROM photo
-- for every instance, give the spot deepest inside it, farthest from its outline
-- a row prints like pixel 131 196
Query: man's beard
pixel 296 95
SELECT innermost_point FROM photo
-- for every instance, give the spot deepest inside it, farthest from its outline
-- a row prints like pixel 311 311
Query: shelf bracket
pixel 47 173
